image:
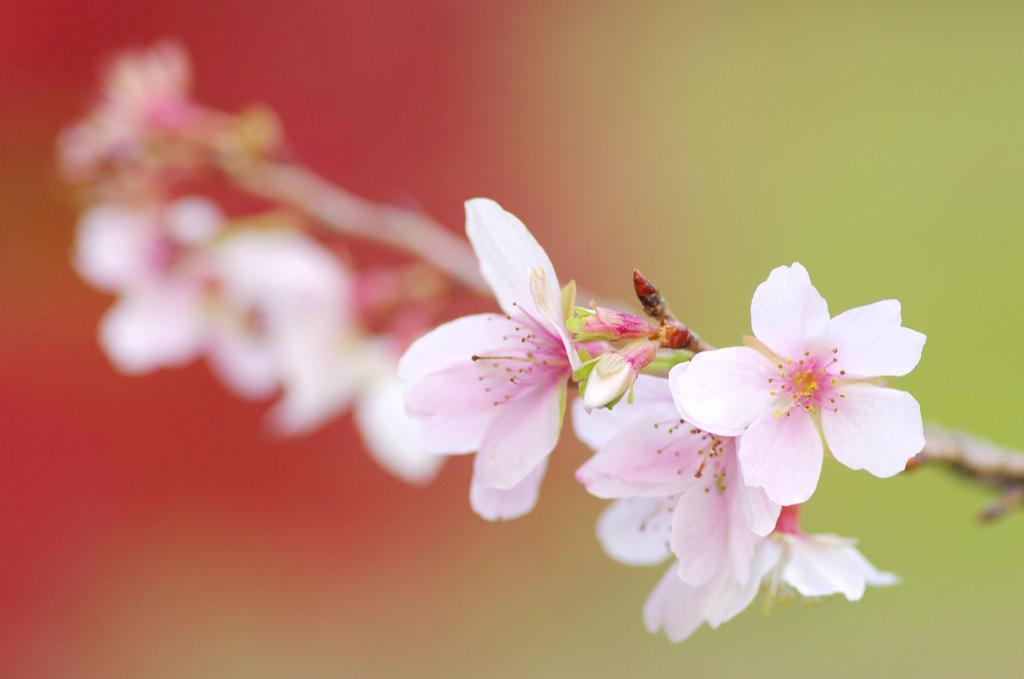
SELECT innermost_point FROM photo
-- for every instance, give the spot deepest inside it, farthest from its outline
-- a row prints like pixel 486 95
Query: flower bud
pixel 608 324
pixel 614 373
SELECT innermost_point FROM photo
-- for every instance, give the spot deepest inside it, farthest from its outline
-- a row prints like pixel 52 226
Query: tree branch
pixel 342 211
pixel 979 461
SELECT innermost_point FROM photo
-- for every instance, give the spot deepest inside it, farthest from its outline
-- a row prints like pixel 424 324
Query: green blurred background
pixel 154 530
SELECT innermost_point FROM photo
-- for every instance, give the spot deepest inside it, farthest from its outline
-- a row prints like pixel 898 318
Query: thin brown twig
pixel 655 306
pixel 980 461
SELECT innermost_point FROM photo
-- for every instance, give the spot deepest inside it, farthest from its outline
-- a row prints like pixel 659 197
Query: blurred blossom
pixel 143 93
pixel 151 257
pixel 270 308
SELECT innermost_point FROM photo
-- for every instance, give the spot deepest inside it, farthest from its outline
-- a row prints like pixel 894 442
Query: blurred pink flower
pixel 270 309
pixel 803 369
pixel 143 92
pixel 140 255
pixel 496 384
pixel 682 488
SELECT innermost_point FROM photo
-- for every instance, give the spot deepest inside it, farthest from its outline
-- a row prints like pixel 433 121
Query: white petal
pixel 787 313
pixel 113 247
pixel 280 271
pixel 497 505
pixel 783 455
pixel 392 436
pixel 320 373
pixel 871 342
pixel 516 267
pixel 507 253
pixel 723 391
pixel 876 428
pixel 823 565
pixel 245 361
pixel 153 328
pixel 635 531
pixel 193 219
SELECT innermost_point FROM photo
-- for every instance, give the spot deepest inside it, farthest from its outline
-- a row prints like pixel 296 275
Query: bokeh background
pixel 151 528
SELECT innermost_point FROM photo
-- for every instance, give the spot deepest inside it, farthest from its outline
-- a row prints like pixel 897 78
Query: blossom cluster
pixel 707 462
pixel 707 455
pixel 272 309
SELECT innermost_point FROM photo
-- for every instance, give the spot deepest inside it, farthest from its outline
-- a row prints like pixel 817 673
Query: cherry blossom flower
pixel 139 254
pixel 681 485
pixel 496 384
pixel 144 92
pixel 785 564
pixel 806 370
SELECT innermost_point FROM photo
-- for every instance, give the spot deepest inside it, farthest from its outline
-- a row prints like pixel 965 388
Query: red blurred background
pixel 110 482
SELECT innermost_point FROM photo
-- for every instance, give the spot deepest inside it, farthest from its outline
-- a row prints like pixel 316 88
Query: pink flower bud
pixel 614 373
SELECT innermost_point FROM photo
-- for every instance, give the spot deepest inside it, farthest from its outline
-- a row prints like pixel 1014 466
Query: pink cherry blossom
pixel 806 370
pixel 681 487
pixel 143 92
pixel 142 255
pixel 496 384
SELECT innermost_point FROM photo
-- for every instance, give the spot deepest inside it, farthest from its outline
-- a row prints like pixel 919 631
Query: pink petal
pixel 871 341
pixel 760 513
pixel 498 505
pixel 450 391
pixel 783 455
pixel 876 429
pixel 728 597
pixel 675 607
pixel 636 531
pixel 524 432
pixel 454 344
pixel 453 434
pixel 787 312
pixel 652 401
pixel 644 460
pixel 700 534
pixel 723 391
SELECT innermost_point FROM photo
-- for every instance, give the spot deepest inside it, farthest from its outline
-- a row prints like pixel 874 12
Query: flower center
pixel 531 355
pixel 808 383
